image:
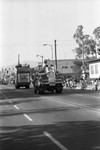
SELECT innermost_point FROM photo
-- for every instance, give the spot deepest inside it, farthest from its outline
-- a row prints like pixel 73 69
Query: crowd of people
pixel 70 83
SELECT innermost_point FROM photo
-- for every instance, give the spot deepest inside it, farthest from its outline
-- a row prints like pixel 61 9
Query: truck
pixel 47 82
pixel 22 78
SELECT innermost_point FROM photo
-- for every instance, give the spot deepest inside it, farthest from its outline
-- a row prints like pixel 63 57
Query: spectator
pixel 96 84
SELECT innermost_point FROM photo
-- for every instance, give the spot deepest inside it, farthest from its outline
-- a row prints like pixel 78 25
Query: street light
pixel 41 57
pixel 51 48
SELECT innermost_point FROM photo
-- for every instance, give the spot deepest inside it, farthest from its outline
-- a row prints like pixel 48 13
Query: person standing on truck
pixel 52 68
pixel 45 67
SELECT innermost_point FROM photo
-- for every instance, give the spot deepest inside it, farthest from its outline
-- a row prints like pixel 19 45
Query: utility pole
pixel 55 55
pixel 18 59
pixel 41 57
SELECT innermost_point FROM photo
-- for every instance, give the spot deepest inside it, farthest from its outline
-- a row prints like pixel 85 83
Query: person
pixel 50 73
pixel 46 69
pixel 52 68
pixel 96 84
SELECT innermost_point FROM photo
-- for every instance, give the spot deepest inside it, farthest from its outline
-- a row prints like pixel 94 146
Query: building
pixel 64 66
pixel 94 69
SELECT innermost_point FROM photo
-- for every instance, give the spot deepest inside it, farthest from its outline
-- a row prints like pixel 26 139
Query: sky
pixel 25 25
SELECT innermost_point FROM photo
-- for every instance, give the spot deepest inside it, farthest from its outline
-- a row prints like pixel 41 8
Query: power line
pixel 37 43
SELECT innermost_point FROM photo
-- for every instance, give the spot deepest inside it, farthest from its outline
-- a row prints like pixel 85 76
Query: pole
pixel 52 51
pixel 41 57
pixel 42 61
pixel 18 59
pixel 55 55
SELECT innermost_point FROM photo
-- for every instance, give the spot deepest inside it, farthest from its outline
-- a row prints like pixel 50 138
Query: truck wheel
pixel 17 87
pixel 27 86
pixel 35 90
pixel 52 91
pixel 58 90
pixel 41 91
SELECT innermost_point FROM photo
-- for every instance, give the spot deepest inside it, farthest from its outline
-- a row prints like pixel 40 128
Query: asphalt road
pixel 67 121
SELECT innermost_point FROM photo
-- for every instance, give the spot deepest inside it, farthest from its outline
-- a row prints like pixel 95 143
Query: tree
pixel 96 33
pixel 86 49
pixel 86 44
pixel 77 66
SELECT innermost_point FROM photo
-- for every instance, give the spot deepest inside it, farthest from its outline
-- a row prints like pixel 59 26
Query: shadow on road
pixel 74 135
pixel 26 93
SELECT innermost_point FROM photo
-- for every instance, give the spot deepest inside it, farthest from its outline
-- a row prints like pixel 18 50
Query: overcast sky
pixel 25 25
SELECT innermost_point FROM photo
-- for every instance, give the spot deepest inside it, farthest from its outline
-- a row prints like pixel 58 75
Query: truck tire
pixel 17 87
pixel 27 86
pixel 35 90
pixel 41 91
pixel 52 90
pixel 58 90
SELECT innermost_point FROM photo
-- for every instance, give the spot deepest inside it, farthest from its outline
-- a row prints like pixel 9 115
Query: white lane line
pixel 60 101
pixel 28 117
pixel 87 96
pixel 16 107
pixel 71 103
pixel 55 141
pixel 97 97
pixel 24 114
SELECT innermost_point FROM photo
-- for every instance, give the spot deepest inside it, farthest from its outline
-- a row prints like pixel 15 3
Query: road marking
pixel 96 147
pixel 97 97
pixel 87 96
pixel 28 117
pixel 71 103
pixel 55 141
pixel 16 107
pixel 60 101
pixel 57 100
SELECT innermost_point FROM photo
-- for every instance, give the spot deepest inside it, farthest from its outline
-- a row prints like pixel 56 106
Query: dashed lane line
pixel 27 117
pixel 47 134
pixel 16 107
pixel 55 141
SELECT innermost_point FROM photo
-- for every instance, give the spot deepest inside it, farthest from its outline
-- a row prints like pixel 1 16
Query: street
pixel 67 121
